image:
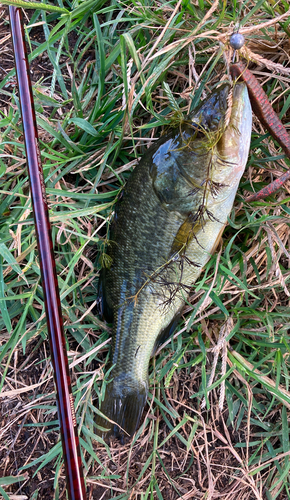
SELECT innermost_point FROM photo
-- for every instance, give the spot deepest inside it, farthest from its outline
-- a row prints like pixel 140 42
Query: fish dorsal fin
pixel 103 307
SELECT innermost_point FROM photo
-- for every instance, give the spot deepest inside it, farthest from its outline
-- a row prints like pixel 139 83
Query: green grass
pixel 121 72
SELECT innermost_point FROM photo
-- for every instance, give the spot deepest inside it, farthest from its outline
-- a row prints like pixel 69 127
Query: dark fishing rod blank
pixel 68 424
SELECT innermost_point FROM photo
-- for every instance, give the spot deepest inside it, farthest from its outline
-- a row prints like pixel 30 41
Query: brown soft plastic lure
pixel 267 116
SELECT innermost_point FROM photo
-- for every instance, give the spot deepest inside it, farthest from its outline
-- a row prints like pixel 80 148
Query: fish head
pixel 223 125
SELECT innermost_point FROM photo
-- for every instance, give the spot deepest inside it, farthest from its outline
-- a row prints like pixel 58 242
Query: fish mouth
pixel 235 140
pixel 241 110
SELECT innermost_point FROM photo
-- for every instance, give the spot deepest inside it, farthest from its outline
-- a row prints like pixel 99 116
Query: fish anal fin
pixel 166 333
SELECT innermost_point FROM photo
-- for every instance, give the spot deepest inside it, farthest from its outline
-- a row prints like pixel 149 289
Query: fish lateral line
pixel 156 277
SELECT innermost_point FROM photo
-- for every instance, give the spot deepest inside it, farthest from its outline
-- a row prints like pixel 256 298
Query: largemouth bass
pixel 167 224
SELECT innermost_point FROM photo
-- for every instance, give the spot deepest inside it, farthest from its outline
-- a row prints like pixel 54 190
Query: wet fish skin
pixel 166 225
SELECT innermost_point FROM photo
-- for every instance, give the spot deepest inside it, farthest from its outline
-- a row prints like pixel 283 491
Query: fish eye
pixel 199 132
pixel 215 122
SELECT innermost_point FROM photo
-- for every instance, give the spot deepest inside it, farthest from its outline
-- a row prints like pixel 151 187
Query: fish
pixel 167 224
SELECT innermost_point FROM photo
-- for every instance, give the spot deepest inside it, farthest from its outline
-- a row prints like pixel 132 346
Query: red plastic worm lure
pixel 267 116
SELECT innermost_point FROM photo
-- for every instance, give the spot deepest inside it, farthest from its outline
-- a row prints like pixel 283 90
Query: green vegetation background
pixel 115 75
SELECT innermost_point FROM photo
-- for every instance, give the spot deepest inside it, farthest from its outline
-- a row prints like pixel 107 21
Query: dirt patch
pixel 28 433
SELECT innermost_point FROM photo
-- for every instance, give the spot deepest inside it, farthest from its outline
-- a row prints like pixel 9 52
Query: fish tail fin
pixel 122 407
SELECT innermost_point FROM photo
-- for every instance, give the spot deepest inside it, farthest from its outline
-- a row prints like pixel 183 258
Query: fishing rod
pixel 68 424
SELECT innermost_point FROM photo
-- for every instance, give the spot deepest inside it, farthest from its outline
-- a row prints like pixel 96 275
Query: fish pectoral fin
pixel 187 231
pixel 217 241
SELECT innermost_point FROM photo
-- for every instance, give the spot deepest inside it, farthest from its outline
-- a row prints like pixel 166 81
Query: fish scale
pixel 166 226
